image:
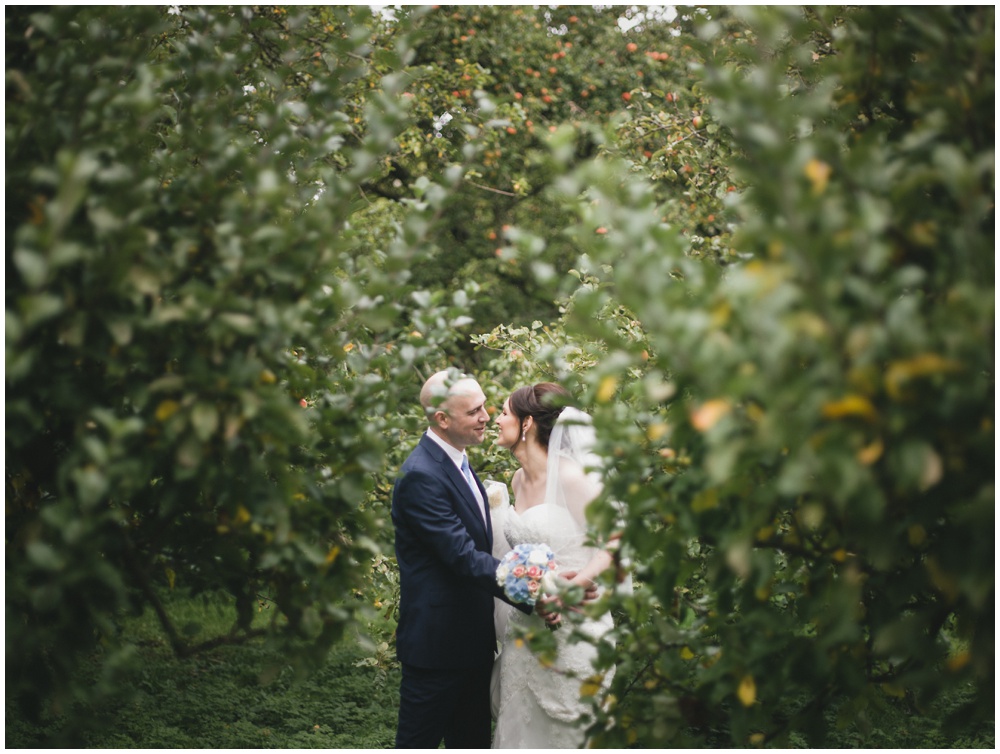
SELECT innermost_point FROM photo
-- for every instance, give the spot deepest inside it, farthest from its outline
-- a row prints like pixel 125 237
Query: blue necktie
pixel 468 473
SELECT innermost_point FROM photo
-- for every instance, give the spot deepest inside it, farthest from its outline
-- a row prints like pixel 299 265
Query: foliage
pixel 238 239
pixel 248 697
pixel 806 458
pixel 233 697
pixel 198 383
pixel 488 85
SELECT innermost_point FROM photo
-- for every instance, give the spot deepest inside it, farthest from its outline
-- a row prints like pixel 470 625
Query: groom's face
pixel 463 418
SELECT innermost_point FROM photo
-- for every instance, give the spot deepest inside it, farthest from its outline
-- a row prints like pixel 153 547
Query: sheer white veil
pixel 574 470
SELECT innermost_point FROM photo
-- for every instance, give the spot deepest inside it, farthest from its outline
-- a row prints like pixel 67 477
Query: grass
pixel 251 696
pixel 219 701
pixel 231 697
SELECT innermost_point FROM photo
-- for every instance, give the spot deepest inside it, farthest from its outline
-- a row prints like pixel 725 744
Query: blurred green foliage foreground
pixel 757 244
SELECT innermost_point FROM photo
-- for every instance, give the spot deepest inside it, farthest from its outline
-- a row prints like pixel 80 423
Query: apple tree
pixel 804 438
pixel 202 370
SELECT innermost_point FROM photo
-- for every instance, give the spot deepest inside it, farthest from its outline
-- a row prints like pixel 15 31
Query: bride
pixel 540 707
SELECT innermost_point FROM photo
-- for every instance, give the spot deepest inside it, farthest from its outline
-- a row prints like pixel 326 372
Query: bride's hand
pixel 589 587
pixel 548 609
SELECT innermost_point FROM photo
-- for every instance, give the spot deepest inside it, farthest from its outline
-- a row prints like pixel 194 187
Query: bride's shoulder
pixel 570 471
pixel 573 478
pixel 516 481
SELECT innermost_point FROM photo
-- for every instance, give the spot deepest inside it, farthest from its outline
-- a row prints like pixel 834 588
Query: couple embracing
pixel 452 611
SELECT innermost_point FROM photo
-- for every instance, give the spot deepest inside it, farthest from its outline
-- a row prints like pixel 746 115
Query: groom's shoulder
pixel 419 470
pixel 422 453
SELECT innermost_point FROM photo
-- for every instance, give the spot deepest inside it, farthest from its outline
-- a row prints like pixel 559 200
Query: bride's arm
pixel 602 560
pixel 580 490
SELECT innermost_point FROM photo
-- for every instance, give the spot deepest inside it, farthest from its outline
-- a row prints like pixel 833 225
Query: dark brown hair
pixel 543 402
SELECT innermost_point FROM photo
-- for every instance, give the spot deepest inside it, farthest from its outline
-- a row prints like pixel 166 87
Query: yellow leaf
pixel 958 661
pixel 850 405
pixel 810 325
pixel 166 409
pixel 924 234
pixel 756 739
pixel 242 515
pixel 943 581
pixel 607 388
pixel 332 555
pixel 747 691
pixel 721 314
pixel 267 377
pixel 171 578
pixel 924 365
pixel 655 431
pixel 818 173
pixel 893 690
pixel 705 500
pixel 870 453
pixel 591 686
pixel 708 414
pixel 686 653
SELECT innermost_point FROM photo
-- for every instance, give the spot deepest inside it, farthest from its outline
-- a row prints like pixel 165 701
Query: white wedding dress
pixel 540 707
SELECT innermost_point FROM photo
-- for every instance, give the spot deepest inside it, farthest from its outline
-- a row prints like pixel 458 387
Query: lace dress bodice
pixel 555 527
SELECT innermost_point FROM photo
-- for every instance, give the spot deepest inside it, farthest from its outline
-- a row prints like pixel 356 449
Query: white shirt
pixel 456 456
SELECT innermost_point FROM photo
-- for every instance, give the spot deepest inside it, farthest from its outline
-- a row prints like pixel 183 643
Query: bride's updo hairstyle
pixel 543 402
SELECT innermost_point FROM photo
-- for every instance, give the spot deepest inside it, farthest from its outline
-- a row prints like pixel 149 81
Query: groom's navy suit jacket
pixel 447 571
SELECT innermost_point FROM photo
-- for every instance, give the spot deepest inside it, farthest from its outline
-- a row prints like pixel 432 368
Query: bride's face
pixel 509 427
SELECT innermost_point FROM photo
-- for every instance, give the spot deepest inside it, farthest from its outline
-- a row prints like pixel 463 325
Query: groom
pixel 445 640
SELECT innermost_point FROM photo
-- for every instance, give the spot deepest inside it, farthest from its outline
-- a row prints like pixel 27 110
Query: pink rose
pixel 518 571
pixel 534 572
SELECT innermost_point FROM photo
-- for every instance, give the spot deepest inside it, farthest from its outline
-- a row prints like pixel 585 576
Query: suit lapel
pixel 486 508
pixel 452 472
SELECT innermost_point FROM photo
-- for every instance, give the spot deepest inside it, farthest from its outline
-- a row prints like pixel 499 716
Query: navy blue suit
pixel 445 638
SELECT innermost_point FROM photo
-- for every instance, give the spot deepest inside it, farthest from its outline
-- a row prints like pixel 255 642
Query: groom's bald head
pixel 441 386
pixel 455 407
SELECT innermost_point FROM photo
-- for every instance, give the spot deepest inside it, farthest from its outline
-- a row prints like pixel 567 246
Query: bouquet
pixel 525 570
